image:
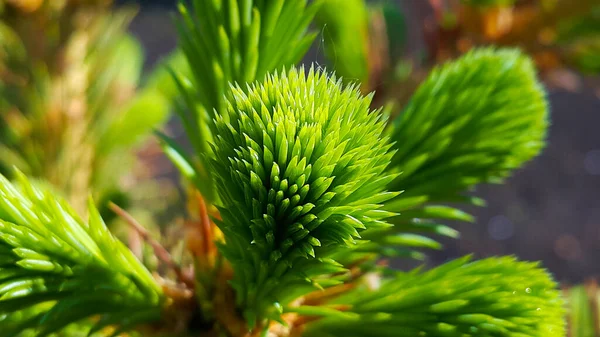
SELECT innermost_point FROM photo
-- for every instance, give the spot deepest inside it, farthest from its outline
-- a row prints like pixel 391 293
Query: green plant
pixel 558 34
pixel 342 34
pixel 583 309
pixel 450 151
pixel 71 104
pixel 297 189
pixel 49 254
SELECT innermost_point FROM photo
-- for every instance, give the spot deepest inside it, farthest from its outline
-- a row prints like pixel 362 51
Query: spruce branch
pixel 65 269
pixel 230 41
pixel 497 296
pixel 485 112
pixel 299 166
pixel 472 121
pixel 239 41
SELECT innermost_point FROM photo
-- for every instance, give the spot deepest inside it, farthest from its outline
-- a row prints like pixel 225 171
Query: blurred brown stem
pixel 160 251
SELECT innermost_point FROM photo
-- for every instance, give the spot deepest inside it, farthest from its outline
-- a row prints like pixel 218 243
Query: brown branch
pixel 161 252
pixel 320 296
pixel 134 241
pixel 205 225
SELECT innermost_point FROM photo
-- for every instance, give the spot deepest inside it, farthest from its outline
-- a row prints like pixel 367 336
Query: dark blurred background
pixel 549 210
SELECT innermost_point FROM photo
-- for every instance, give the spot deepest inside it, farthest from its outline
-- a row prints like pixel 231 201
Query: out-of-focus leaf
pixel 396 29
pixel 161 77
pixel 139 118
pixel 585 54
pixel 346 38
pixel 578 27
pixel 583 310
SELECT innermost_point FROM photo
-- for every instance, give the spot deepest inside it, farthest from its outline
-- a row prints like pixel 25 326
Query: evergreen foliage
pixel 470 122
pixel 56 269
pixel 234 41
pixel 303 180
pixel 299 163
pixel 490 297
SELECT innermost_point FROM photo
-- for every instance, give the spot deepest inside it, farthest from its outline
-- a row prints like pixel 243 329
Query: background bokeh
pixel 549 210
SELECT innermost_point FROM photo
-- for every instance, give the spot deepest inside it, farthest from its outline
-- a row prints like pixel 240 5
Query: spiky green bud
pixel 56 269
pixel 299 165
pixel 492 297
pixel 229 41
pixel 472 121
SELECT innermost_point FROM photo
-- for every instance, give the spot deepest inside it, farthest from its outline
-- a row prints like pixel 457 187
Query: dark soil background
pixel 548 211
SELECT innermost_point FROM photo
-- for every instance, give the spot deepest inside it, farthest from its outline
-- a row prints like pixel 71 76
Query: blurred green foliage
pixel 71 105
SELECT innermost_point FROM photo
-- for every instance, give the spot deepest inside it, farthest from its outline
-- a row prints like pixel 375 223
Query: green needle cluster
pixel 299 165
pixel 472 121
pixel 497 296
pixel 56 269
pixel 312 188
pixel 229 41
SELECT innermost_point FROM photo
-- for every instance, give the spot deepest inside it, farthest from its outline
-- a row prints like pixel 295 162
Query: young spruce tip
pixel 300 191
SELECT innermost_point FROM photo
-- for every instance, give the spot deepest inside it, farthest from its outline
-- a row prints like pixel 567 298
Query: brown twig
pixel 205 225
pixel 321 296
pixel 160 251
pixel 134 241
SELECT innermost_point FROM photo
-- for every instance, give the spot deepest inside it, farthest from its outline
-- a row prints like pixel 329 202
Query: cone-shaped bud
pixel 299 165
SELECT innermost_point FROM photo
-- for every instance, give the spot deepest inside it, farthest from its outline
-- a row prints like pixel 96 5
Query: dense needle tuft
pixel 492 297
pixel 299 161
pixel 229 41
pixel 472 121
pixel 298 167
pixel 56 269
